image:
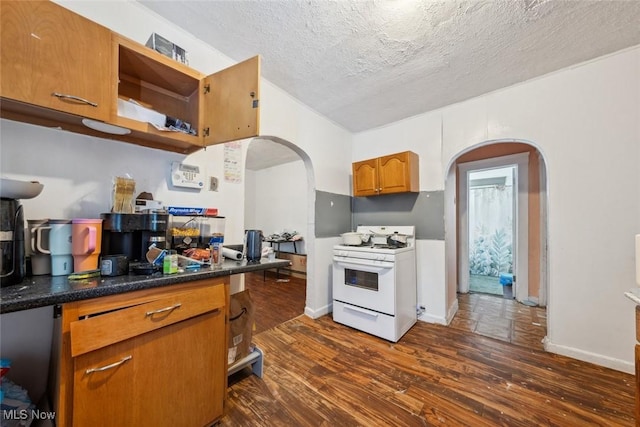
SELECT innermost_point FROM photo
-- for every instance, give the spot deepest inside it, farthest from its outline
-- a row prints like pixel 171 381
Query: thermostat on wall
pixel 189 176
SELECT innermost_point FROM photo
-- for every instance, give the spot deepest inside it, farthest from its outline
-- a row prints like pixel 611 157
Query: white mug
pixel 37 241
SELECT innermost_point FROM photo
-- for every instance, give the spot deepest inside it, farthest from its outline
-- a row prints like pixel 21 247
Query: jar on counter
pixel 170 262
pixel 215 250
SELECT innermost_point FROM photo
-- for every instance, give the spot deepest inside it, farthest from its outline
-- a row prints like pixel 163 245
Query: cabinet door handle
pixel 74 98
pixel 104 368
pixel 162 310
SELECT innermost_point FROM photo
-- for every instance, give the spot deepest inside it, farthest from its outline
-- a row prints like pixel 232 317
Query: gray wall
pixel 333 214
pixel 337 213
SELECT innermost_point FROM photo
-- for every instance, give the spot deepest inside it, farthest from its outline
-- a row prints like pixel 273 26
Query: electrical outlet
pixel 213 183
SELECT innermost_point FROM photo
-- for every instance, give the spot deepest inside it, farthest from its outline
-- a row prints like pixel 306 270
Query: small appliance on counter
pixel 12 244
pixel 194 227
pixel 253 244
pixel 131 234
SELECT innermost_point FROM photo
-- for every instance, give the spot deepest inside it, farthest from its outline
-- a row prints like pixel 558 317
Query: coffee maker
pixel 12 252
pixel 12 258
pixel 131 234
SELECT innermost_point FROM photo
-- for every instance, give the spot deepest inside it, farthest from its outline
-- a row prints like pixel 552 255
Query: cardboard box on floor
pixel 241 324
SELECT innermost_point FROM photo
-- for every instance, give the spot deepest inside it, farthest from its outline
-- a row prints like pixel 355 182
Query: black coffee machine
pixel 131 234
pixel 12 261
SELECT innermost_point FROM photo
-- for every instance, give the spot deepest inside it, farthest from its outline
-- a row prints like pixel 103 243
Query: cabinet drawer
pixel 102 329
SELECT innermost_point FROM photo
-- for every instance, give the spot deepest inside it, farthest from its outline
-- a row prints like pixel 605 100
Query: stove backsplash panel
pixel 333 214
pixel 425 210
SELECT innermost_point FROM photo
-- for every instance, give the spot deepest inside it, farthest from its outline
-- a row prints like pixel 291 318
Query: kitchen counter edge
pixel 42 291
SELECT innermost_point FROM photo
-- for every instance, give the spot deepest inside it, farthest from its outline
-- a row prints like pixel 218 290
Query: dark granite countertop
pixel 40 291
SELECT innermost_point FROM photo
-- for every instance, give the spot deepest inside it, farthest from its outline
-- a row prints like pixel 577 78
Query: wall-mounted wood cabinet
pixel 56 59
pixel 104 76
pixel 395 173
pixel 153 357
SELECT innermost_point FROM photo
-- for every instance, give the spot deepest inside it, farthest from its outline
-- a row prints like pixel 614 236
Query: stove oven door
pixel 365 283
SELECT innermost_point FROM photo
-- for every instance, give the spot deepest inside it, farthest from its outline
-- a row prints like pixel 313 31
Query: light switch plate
pixel 213 183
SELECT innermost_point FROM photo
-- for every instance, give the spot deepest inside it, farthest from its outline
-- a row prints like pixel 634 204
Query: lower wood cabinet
pixel 146 358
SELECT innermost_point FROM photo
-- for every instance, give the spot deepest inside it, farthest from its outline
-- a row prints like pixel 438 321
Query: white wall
pixel 250 209
pixel 585 120
pixel 277 197
pixel 77 172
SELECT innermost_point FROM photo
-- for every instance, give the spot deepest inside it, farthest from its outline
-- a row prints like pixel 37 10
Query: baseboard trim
pixel 314 314
pixel 440 320
pixel 452 311
pixel 429 318
pixel 586 356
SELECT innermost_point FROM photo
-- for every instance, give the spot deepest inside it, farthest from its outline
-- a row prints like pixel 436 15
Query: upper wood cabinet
pixel 395 173
pixel 54 58
pixel 231 103
pixel 82 57
pixel 221 107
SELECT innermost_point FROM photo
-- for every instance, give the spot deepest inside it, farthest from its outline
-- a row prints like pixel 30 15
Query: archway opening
pixel 279 190
pixel 528 282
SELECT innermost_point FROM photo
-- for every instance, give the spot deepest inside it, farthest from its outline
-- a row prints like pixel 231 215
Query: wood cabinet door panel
pixel 168 377
pixel 105 397
pixel 231 104
pixel 182 379
pixel 47 49
pixel 365 178
pixel 394 173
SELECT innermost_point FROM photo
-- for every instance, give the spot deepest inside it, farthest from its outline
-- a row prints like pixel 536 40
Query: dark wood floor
pixel 320 373
pixel 275 301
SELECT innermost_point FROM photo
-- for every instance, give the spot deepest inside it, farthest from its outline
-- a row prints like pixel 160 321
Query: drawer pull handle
pixel 104 368
pixel 74 98
pixel 360 310
pixel 162 310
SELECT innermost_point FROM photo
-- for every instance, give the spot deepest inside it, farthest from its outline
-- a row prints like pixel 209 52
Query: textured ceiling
pixel 367 63
pixel 264 153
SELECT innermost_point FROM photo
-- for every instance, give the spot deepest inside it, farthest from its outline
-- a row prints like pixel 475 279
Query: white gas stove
pixel 374 284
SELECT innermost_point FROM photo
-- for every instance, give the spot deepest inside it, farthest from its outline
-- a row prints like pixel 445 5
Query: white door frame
pixel 521 247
